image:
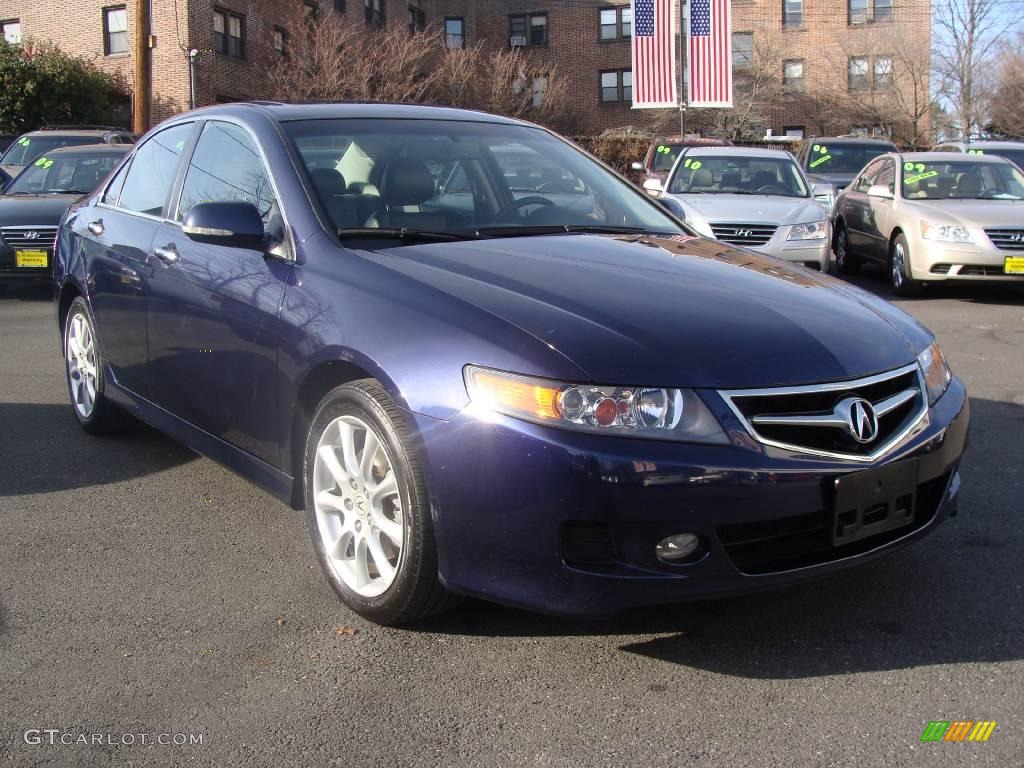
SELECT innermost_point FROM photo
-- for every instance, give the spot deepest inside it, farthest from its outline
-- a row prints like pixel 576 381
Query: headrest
pixel 968 183
pixel 764 179
pixel 702 177
pixel 730 179
pixel 328 181
pixel 406 182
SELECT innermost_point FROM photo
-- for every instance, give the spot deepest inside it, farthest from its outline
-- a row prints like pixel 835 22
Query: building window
pixel 615 23
pixel 528 30
pixel 742 49
pixel 792 13
pixel 793 131
pixel 883 10
pixel 793 75
pixel 373 10
pixel 312 9
pixel 856 12
pixel 882 72
pixel 417 19
pixel 280 40
pixel 455 32
pixel 616 86
pixel 115 31
pixel 858 73
pixel 11 30
pixel 228 34
pixel 339 6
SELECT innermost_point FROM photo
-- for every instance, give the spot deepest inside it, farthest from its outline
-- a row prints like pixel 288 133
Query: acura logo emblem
pixel 31 235
pixel 859 418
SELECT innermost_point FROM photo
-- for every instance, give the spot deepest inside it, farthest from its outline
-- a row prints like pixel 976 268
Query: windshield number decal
pixel 43 162
pixel 693 165
pixel 920 177
pixel 822 150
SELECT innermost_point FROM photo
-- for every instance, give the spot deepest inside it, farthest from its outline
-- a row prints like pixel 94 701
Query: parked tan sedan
pixel 933 216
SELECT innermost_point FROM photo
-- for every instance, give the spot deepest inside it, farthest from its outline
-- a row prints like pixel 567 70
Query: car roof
pixel 849 140
pixel 91 149
pixel 289 111
pixel 948 157
pixel 996 144
pixel 76 132
pixel 742 152
pixel 692 141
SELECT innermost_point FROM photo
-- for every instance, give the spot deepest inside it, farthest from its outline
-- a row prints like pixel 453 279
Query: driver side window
pixel 867 177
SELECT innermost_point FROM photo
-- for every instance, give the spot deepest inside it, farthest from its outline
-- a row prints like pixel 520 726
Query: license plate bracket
pixel 31 258
pixel 874 501
pixel 1013 265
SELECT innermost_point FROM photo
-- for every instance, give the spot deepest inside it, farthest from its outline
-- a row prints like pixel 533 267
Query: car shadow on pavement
pixel 954 596
pixel 44 450
pixel 874 279
pixel 29 292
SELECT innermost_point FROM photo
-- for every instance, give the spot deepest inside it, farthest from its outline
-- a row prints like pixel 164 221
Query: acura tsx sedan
pixel 476 384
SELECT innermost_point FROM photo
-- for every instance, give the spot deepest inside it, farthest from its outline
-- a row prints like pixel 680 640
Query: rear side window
pixel 152 171
pixel 226 167
pixel 114 189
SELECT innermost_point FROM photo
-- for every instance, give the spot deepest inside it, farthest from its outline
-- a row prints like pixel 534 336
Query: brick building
pixel 813 65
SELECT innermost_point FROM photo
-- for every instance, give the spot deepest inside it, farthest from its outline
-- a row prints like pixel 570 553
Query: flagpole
pixel 682 68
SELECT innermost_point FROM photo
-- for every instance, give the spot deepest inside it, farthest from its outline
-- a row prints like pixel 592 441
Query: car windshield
pixel 843 158
pixel 736 174
pixel 79 172
pixel 665 156
pixel 1015 156
pixel 464 178
pixel 28 148
pixel 961 180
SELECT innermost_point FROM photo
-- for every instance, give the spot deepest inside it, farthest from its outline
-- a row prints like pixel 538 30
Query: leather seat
pixel 343 208
pixel 763 179
pixel 967 185
pixel 702 178
pixel 407 184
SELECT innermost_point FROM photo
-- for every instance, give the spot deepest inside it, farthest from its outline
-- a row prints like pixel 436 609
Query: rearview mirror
pixel 637 166
pixel 232 224
pixel 880 190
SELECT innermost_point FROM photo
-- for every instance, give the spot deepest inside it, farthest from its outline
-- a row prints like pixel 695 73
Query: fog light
pixel 677 547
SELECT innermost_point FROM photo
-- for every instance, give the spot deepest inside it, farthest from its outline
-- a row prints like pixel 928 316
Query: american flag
pixel 709 60
pixel 654 54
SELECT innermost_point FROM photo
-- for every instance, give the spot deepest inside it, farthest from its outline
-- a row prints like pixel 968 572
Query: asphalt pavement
pixel 148 595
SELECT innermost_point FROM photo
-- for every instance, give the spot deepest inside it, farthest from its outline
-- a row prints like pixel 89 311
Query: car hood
pixel 769 209
pixel 837 180
pixel 30 210
pixel 669 311
pixel 971 213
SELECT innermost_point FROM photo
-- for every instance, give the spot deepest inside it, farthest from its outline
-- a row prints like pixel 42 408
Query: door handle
pixel 96 227
pixel 168 254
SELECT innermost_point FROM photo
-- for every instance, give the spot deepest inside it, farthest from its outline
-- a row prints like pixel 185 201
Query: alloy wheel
pixel 358 506
pixel 841 249
pixel 899 258
pixel 80 353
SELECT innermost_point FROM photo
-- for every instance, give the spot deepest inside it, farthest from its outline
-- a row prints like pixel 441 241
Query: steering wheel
pixel 767 189
pixel 515 205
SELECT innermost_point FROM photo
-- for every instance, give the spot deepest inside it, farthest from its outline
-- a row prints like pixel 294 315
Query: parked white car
pixel 757 198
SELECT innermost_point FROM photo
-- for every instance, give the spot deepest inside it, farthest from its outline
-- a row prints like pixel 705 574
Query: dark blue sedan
pixel 484 364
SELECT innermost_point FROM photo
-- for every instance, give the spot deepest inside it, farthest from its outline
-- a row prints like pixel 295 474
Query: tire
pixel 900 273
pixel 846 263
pixel 83 368
pixel 373 537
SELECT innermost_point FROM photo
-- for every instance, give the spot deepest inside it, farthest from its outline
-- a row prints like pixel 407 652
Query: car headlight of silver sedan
pixel 658 413
pixel 815 230
pixel 937 374
pixel 948 233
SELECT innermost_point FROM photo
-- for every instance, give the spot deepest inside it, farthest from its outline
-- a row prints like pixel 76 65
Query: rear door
pixel 117 234
pixel 878 212
pixel 857 209
pixel 213 310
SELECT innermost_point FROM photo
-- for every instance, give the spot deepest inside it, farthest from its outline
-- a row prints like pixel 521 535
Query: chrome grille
pixel 815 419
pixel 1008 239
pixel 29 238
pixel 744 234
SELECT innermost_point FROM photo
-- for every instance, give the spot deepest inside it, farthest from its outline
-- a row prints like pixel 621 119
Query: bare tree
pixel 966 37
pixel 1006 112
pixel 757 88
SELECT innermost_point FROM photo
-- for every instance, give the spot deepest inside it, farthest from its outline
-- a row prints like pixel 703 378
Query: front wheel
pixel 846 263
pixel 367 507
pixel 900 273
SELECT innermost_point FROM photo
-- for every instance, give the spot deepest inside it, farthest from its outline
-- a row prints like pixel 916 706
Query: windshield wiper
pixel 67 191
pixel 559 229
pixel 404 234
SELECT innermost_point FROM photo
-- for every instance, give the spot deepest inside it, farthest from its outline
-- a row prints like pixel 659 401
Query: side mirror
pixel 880 190
pixel 672 206
pixel 637 166
pixel 822 189
pixel 653 187
pixel 234 224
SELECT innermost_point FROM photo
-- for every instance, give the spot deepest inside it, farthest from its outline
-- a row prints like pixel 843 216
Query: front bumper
pixel 567 523
pixel 932 261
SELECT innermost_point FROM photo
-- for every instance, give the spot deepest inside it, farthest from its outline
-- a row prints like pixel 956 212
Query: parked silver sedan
pixel 757 198
pixel 932 217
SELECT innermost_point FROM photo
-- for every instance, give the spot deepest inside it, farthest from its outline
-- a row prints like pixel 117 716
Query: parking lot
pixel 147 591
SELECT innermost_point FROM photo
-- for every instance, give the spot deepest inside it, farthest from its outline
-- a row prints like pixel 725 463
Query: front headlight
pixel 815 230
pixel 652 412
pixel 936 372
pixel 949 233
